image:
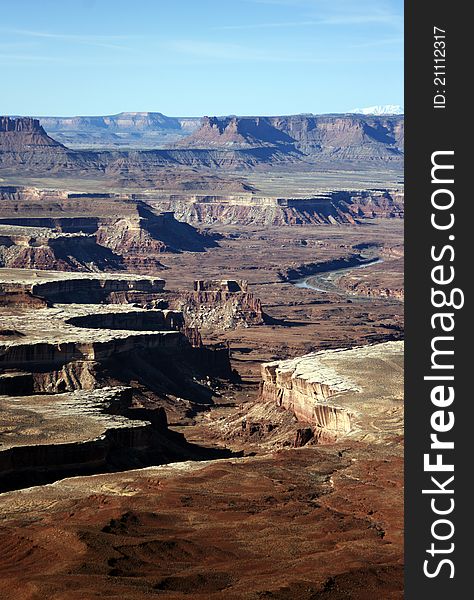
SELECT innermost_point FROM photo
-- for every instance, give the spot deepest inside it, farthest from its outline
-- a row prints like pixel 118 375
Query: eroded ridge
pixel 355 392
pixel 49 435
pixel 84 386
pixel 219 304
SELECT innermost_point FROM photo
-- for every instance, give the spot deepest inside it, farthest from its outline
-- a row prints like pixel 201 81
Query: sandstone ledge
pixel 357 392
pixel 36 278
pixel 72 332
pixel 73 417
pixel 76 432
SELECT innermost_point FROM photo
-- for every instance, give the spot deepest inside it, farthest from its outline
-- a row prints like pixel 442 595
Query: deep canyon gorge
pixel 201 357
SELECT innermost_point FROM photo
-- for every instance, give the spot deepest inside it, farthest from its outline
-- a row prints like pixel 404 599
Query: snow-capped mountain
pixel 386 109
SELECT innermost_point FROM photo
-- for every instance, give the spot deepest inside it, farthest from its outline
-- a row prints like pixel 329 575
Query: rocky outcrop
pixel 35 248
pixel 345 207
pixel 297 386
pixel 220 305
pixel 346 137
pixel 63 368
pixel 57 352
pixel 121 233
pixel 24 124
pixel 23 142
pixel 143 236
pixel 78 432
pixel 84 346
pixel 242 132
pixel 220 285
pixel 339 392
pixel 43 287
pixel 48 437
pixel 55 336
pixel 23 133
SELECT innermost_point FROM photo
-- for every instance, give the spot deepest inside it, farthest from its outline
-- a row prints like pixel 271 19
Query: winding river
pixel 326 281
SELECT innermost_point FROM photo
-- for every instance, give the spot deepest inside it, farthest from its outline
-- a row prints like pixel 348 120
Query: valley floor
pixel 272 521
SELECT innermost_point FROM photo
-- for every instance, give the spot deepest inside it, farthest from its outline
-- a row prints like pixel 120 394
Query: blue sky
pixel 199 57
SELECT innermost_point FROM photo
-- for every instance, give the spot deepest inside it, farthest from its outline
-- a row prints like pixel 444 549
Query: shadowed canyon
pixel 201 357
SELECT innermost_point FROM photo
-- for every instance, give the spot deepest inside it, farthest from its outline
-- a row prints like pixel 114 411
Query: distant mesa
pixel 126 129
pixel 224 143
pixel 26 149
pixel 347 137
pixel 23 133
pixel 242 132
pixel 124 120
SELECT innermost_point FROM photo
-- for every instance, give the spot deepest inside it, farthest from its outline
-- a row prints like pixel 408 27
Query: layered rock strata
pixel 337 392
pixel 28 287
pixel 24 142
pixel 55 336
pixel 62 371
pixel 345 207
pixel 350 137
pixel 75 432
pixel 36 248
pixel 148 228
pixel 219 304
pixel 25 133
pixel 109 232
pixel 233 143
pixel 54 348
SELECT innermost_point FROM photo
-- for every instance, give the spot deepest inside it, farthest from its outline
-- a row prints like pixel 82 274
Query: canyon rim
pixel 201 314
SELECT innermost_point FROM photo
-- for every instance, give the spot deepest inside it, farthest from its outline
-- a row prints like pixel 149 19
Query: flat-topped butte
pixel 36 276
pixel 356 392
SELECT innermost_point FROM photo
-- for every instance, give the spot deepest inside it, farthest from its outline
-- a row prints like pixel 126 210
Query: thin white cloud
pixel 357 19
pixel 268 25
pixel 8 58
pixel 381 42
pixel 340 12
pixel 189 49
pixel 88 40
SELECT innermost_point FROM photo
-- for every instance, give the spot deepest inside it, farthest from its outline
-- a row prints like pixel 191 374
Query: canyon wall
pixel 218 305
pixel 232 143
pixel 80 432
pixel 84 387
pixel 297 386
pixel 345 207
pixel 346 137
pixel 47 287
pixel 90 232
pixel 35 248
pixel 330 391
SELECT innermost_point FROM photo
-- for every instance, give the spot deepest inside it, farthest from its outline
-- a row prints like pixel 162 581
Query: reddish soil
pixel 308 524
pixel 311 523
